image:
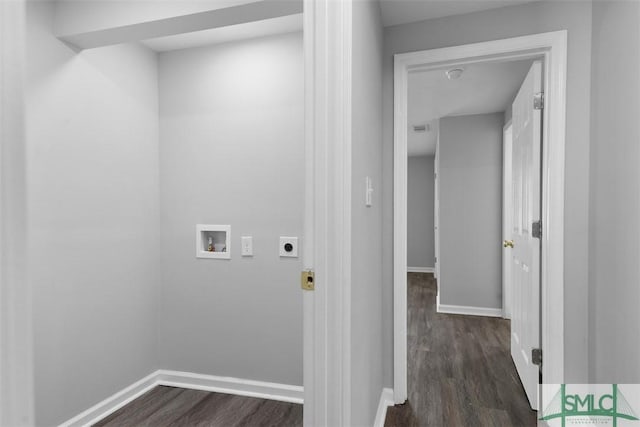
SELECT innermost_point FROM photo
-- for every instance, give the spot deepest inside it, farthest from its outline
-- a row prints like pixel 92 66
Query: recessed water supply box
pixel 213 241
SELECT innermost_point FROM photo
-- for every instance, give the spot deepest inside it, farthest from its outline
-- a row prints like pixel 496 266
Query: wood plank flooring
pixel 460 374
pixel 460 368
pixel 177 407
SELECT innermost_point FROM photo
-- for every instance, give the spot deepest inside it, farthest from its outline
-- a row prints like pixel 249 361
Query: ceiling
pixel 394 12
pixel 482 89
pixel 249 30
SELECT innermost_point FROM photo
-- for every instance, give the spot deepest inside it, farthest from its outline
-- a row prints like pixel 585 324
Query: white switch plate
pixel 368 192
pixel 247 246
pixel 293 252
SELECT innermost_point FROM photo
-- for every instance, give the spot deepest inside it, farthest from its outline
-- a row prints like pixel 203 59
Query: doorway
pixel 551 47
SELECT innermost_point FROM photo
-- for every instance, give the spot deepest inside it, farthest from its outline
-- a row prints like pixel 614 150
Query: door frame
pixel 327 223
pixel 552 46
pixel 506 216
pixel 436 215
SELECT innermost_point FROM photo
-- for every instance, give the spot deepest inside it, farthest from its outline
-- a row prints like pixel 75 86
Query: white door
pixel 507 217
pixel 525 312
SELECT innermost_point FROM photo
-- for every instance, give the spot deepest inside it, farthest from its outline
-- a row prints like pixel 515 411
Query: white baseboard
pixel 420 270
pixel 228 385
pixel 471 311
pixel 112 403
pixel 386 400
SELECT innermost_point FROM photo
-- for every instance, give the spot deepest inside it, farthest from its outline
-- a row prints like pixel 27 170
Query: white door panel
pixel 525 267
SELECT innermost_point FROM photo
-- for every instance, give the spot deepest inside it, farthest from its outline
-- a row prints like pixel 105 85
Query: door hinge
pixel 536 229
pixel 538 101
pixel 536 356
pixel 307 280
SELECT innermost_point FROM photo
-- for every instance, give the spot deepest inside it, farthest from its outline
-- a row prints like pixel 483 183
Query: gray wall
pixel 615 194
pixel 420 211
pixel 470 179
pixel 92 132
pixel 508 114
pixel 366 311
pixel 231 151
pixel 16 388
pixel 495 24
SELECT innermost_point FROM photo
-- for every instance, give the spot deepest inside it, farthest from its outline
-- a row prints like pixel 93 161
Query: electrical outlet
pixel 289 247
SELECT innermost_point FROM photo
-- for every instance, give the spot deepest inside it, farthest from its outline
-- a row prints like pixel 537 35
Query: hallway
pixel 459 367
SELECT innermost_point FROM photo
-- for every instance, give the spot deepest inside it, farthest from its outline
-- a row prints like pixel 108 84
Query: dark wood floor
pixel 170 406
pixel 459 367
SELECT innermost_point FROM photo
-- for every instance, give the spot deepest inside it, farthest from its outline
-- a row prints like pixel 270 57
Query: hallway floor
pixel 459 367
pixel 171 406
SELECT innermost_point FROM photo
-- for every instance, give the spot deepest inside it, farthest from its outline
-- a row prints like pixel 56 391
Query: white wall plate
pixel 289 247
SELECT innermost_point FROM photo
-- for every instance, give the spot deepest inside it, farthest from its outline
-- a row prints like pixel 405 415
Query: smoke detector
pixel 454 73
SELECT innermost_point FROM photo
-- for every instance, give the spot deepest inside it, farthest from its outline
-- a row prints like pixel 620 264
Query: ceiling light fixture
pixel 454 74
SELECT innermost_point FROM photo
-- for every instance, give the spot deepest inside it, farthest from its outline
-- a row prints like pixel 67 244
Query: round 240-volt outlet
pixel 287 247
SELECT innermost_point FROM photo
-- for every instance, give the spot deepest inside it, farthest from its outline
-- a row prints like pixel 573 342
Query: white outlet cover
pixel 293 241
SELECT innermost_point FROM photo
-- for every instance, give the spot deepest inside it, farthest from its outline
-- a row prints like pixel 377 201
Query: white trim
pixel 227 385
pixel 468 310
pixel 553 47
pixel 400 168
pixel 436 213
pixel 420 269
pixel 230 385
pixel 327 330
pixel 552 255
pixel 386 400
pixel 113 402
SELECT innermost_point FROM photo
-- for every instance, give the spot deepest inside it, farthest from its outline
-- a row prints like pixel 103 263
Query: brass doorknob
pixel 508 243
